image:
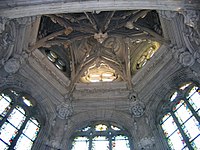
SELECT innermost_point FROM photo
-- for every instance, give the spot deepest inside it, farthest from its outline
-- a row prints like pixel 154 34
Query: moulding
pixel 12 9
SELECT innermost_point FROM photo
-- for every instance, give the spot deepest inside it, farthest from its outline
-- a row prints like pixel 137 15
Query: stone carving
pixel 183 56
pixel 191 17
pixel 13 64
pixel 186 59
pixel 136 106
pixel 3 22
pixel 137 110
pixel 64 110
pixel 100 37
pixel 7 39
pixel 192 38
pixel 6 46
pixel 146 143
pixel 166 14
pixel 133 96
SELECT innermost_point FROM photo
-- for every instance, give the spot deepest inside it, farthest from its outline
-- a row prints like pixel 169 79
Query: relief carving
pixel 7 39
pixel 183 56
pixel 13 64
pixel 137 107
pixel 191 17
pixel 192 38
pixel 64 110
pixel 3 22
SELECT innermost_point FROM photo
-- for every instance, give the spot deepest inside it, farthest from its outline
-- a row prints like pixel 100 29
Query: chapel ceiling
pixel 100 46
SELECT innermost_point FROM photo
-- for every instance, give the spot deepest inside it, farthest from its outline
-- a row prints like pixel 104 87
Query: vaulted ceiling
pixel 109 46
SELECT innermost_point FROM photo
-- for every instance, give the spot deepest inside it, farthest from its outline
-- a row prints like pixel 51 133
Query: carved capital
pixel 146 143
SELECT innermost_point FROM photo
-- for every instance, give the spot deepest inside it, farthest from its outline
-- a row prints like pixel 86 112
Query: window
pixel 102 136
pixel 18 127
pixel 100 73
pixel 181 123
pixel 148 53
pixel 56 60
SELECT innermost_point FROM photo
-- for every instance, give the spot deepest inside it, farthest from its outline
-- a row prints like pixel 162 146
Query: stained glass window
pixel 101 137
pixel 181 125
pixel 18 129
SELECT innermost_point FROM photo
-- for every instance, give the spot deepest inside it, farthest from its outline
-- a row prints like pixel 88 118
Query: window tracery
pixel 147 54
pixel 181 122
pixel 101 136
pixel 18 126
